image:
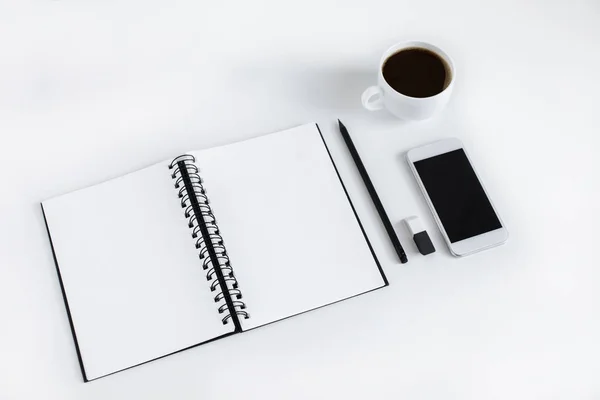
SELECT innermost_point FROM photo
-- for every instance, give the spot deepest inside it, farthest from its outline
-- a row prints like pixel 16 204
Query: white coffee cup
pixel 403 106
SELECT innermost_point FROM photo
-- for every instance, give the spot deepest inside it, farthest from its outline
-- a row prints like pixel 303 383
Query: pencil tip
pixel 340 122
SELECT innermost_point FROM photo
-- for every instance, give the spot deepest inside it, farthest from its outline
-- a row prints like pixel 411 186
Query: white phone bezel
pixel 472 244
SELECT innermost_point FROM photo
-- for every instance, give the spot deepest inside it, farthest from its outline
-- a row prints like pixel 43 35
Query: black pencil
pixel 374 197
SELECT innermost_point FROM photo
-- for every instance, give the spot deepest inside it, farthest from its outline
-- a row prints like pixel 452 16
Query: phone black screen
pixel 457 195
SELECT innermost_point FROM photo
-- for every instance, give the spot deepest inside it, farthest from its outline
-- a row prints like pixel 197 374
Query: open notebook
pixel 196 248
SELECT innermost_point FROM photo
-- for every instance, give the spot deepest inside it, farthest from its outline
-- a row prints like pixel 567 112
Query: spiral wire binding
pixel 186 176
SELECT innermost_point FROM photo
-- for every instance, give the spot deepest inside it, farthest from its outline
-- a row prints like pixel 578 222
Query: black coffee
pixel 417 72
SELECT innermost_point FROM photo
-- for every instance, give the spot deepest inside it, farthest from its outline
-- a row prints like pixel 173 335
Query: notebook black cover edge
pixel 316 308
pixel 167 355
pixel 64 295
pixel 385 280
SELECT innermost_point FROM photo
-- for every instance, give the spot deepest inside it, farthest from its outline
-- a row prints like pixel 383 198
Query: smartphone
pixel 458 200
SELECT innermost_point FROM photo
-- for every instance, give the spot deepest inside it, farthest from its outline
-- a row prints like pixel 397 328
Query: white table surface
pixel 92 90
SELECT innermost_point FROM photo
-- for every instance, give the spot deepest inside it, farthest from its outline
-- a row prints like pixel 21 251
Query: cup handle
pixel 372 98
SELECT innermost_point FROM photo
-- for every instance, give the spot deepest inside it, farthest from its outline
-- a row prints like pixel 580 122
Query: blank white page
pixel 133 281
pixel 287 224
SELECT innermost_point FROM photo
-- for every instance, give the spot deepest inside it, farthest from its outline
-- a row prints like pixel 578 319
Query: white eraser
pixel 420 236
pixel 414 225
